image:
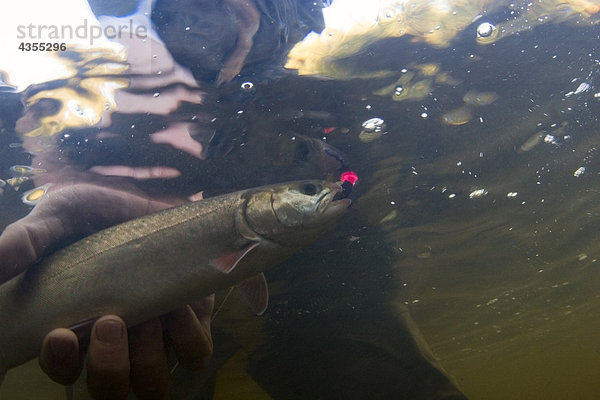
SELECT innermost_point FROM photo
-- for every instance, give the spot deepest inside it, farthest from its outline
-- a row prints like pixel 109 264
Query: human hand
pixel 118 360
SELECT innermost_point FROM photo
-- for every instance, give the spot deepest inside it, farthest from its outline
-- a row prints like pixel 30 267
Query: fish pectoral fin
pixel 254 290
pixel 226 263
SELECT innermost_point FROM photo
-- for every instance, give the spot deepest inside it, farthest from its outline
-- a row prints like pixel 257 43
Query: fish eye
pixel 309 189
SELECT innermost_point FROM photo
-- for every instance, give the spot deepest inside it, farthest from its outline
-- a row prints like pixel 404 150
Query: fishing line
pixel 211 320
pixel 222 304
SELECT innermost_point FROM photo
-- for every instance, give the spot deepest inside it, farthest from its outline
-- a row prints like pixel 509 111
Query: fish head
pixel 295 213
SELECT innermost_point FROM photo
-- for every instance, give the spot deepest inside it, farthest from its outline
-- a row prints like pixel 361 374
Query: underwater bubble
pixel 33 196
pixel 247 91
pixel 550 139
pixel 477 194
pixel 485 29
pixel 486 33
pixel 583 87
pixel 372 130
pixel 401 93
pixel 247 86
pixel 374 125
pixel 580 171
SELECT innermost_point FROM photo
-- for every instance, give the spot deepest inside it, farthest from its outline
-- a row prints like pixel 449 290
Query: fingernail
pixel 109 332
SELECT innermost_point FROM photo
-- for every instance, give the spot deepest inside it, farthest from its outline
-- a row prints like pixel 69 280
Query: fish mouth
pixel 333 202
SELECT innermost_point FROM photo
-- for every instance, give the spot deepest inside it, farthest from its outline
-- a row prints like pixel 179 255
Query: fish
pixel 149 266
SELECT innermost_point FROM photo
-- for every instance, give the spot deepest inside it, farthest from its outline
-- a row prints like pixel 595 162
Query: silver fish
pixel 151 265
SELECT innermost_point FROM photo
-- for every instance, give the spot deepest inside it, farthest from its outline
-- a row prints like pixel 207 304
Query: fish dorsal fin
pixel 254 290
pixel 227 262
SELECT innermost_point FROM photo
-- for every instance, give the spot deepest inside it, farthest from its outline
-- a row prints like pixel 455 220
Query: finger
pixel 247 23
pixel 108 360
pixel 182 136
pixel 149 366
pixel 60 358
pixel 189 334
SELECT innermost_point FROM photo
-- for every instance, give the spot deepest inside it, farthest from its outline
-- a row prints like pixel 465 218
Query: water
pixel 474 223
